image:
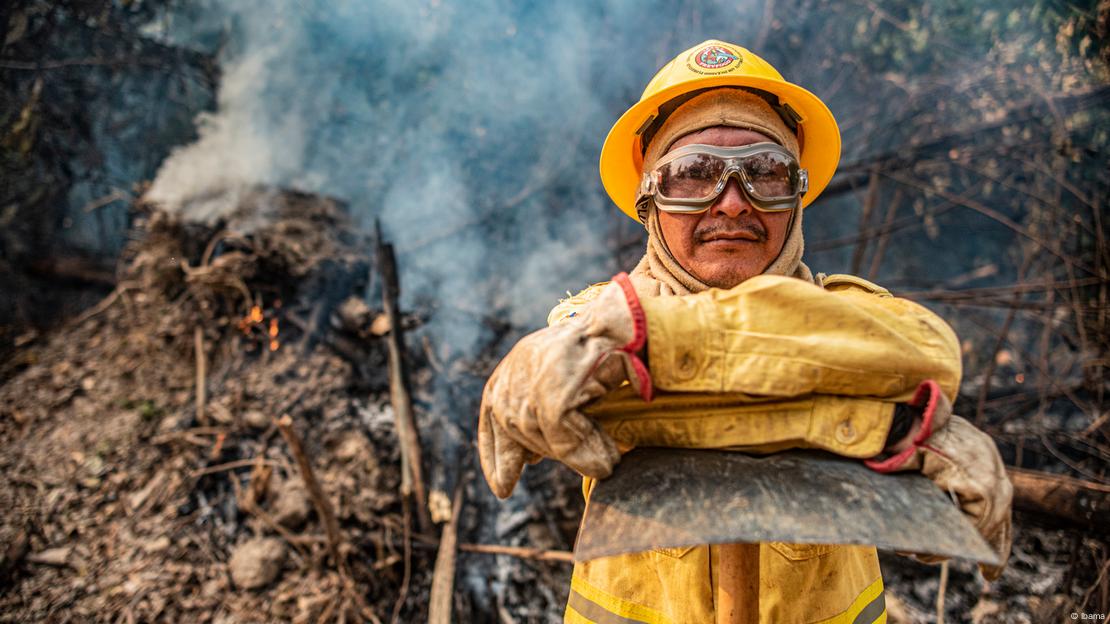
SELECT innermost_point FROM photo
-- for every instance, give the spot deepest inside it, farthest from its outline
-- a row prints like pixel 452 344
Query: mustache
pixel 752 228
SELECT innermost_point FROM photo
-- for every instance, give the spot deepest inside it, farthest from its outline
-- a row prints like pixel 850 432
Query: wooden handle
pixel 738 584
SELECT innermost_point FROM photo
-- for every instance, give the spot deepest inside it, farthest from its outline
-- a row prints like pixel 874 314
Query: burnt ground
pixel 127 505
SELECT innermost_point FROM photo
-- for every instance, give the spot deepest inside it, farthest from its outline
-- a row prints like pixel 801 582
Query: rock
pixel 212 588
pixel 169 424
pixel 157 544
pixel 353 446
pixel 439 506
pixel 58 557
pixel 380 325
pixel 291 505
pixel 257 562
pixel 256 419
pixel 353 314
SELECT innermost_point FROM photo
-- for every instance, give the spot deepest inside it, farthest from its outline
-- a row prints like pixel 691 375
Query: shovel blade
pixel 672 498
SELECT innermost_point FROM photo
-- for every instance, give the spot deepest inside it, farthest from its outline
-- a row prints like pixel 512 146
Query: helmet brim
pixel 622 158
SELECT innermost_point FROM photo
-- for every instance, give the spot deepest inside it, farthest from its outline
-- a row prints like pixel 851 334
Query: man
pixel 718 160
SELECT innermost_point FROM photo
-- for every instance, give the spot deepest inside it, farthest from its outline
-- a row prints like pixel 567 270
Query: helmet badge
pixel 715 58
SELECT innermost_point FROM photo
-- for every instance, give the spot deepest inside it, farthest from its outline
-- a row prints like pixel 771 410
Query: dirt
pixel 105 459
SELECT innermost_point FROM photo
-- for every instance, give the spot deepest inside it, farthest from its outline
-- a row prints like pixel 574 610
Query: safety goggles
pixel 689 179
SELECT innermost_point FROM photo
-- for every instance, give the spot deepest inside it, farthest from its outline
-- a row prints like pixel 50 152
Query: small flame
pixel 257 318
pixel 250 320
pixel 274 344
pixel 1020 378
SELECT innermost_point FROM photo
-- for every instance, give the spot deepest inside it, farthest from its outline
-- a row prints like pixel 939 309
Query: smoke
pixel 472 130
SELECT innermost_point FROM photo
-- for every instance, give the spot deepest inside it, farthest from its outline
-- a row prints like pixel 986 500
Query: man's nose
pixel 732 202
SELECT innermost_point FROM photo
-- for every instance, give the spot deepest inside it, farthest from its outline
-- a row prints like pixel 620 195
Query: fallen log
pixel 1062 498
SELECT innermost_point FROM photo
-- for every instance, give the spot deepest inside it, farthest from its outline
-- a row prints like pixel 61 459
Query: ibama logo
pixel 715 58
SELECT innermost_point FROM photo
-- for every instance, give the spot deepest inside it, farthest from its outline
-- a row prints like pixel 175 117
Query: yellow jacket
pixel 773 363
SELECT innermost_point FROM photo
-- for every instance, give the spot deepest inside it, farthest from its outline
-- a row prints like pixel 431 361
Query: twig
pixel 947 295
pixel 443 579
pixel 1096 424
pixel 325 512
pixel 896 226
pixel 884 238
pixel 106 302
pixel 248 504
pixel 100 202
pixel 406 529
pixel 412 479
pixel 328 610
pixel 904 156
pixel 1099 582
pixel 984 390
pixel 1052 450
pixel 865 219
pixel 239 463
pixel 202 373
pixel 994 215
pixel 940 591
pixel 319 499
pixel 520 552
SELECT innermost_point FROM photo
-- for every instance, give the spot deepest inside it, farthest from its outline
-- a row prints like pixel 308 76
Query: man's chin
pixel 726 265
pixel 727 277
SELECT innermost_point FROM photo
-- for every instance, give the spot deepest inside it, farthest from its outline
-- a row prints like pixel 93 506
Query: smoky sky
pixel 472 129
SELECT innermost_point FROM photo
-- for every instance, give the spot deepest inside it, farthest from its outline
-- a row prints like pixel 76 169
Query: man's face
pixel 732 241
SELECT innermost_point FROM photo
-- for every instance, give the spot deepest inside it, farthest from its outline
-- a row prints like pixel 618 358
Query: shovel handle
pixel 738 584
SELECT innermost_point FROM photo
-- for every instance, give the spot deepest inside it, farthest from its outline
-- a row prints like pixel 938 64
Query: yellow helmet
pixel 717 64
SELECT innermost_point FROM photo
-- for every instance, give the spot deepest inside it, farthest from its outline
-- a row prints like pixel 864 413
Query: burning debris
pixel 215 441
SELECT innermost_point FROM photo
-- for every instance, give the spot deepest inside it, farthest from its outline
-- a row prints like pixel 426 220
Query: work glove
pixel 531 405
pixel 962 461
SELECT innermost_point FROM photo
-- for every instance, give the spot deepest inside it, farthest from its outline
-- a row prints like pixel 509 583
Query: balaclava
pixel 658 273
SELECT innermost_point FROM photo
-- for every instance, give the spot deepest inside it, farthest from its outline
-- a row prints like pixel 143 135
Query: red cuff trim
pixel 891 464
pixel 927 393
pixel 639 334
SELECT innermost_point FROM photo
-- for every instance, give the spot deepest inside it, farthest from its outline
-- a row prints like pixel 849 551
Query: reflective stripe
pixel 869 607
pixel 593 605
pixel 872 611
pixel 570 616
pixel 589 605
pixel 596 613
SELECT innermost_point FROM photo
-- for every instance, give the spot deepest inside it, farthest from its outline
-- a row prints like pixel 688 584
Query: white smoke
pixel 472 130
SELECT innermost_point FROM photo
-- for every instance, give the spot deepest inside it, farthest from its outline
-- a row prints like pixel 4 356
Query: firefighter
pixel 718 160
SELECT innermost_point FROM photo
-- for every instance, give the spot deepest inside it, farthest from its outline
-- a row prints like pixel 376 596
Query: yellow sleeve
pixel 573 304
pixel 784 337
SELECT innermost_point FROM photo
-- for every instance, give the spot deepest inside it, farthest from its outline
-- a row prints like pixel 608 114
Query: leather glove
pixel 961 460
pixel 531 405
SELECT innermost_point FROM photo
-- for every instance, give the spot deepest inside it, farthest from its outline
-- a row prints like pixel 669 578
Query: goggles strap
pixel 653 123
